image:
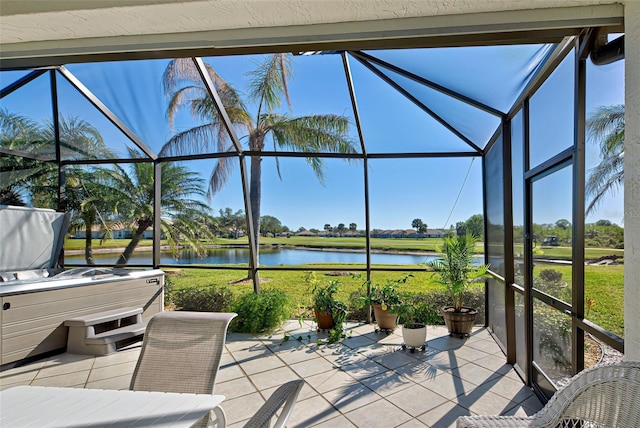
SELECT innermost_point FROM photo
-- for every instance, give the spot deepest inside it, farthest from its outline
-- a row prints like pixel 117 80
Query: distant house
pixel 325 234
pixel 96 232
pixel 408 233
pixel 305 233
pixel 351 234
pixel 398 233
pixel 382 234
pixel 434 233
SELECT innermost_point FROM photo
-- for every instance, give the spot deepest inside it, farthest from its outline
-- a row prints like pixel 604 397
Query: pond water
pixel 268 257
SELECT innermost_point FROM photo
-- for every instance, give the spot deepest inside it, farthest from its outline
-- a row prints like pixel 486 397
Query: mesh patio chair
pixel 607 395
pixel 286 395
pixel 181 352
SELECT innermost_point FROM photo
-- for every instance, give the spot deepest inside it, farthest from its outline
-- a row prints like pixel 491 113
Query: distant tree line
pixel 601 234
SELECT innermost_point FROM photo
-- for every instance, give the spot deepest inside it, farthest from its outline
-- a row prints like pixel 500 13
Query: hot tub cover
pixel 30 238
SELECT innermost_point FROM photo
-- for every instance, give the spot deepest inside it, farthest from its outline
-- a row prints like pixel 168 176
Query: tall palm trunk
pixel 254 197
pixel 89 218
pixel 143 225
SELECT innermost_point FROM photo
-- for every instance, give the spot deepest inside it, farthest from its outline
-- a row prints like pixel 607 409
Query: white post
pixel 632 182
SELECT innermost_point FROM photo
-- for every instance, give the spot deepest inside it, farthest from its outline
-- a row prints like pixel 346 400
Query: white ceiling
pixel 42 28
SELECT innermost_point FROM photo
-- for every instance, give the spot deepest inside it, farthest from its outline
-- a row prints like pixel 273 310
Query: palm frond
pixel 219 176
pixel 606 128
pixel 208 138
pixel 16 130
pixel 605 120
pixel 604 178
pixel 315 133
pixel 269 82
pixel 181 98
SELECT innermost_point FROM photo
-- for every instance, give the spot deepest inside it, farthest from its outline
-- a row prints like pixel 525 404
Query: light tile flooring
pixel 368 380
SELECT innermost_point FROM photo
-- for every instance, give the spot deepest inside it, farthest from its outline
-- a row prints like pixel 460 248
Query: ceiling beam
pixel 465 29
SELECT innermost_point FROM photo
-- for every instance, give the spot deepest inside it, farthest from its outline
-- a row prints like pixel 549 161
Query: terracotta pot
pixel 414 337
pixel 459 323
pixel 385 319
pixel 325 320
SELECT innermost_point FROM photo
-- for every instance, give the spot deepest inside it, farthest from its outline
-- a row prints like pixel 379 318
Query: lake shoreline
pixel 163 248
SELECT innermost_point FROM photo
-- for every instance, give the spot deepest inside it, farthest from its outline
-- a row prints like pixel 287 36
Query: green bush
pixel 206 299
pixel 550 275
pixel 261 312
pixel 416 309
pixel 550 281
pixel 552 338
pixel 168 291
pixel 428 303
pixel 357 312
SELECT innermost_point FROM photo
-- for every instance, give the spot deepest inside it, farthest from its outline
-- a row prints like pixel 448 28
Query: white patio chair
pixel 286 395
pixel 607 395
pixel 181 352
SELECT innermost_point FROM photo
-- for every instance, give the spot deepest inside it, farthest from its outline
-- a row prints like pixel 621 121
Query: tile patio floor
pixel 367 381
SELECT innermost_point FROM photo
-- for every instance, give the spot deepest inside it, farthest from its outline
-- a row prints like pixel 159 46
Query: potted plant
pixel 385 300
pixel 414 317
pixel 329 311
pixel 456 271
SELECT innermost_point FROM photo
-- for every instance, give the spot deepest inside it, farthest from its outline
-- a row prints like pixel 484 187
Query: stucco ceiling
pixel 71 27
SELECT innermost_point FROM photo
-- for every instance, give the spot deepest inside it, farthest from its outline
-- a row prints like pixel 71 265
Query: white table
pixel 38 406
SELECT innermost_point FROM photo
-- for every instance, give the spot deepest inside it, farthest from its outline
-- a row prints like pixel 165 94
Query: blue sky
pixel 400 190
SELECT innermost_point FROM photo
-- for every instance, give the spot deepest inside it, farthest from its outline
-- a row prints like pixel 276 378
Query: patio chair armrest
pixel 285 395
pixel 494 421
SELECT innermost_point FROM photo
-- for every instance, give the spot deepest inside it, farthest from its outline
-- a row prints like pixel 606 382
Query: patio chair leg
pixel 220 420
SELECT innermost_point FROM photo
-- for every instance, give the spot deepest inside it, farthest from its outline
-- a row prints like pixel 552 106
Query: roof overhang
pixel 38 34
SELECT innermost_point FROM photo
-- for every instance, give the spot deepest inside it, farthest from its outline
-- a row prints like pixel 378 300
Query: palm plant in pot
pixel 456 271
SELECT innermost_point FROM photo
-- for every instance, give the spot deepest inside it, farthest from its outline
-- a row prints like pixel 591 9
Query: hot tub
pixel 37 297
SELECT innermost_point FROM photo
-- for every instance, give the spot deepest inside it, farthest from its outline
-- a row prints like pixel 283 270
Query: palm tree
pixel 267 88
pixel 37 181
pixel 606 128
pixel 184 219
pixel 79 139
pixel 20 134
pixel 91 203
pixel 86 198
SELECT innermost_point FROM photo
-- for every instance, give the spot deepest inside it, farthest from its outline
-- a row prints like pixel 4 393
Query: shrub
pixel 207 299
pixel 436 300
pixel 550 281
pixel 430 302
pixel 168 291
pixel 261 312
pixel 550 275
pixel 552 337
pixel 357 312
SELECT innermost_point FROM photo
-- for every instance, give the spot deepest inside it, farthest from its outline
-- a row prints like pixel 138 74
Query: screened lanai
pixel 448 132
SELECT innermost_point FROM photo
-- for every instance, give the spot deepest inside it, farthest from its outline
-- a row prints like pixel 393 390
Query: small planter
pixel 414 335
pixel 385 319
pixel 459 323
pixel 325 320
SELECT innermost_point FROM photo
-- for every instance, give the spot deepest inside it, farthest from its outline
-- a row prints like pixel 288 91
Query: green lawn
pixel 564 253
pixel 293 282
pixel 604 285
pixel 390 244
